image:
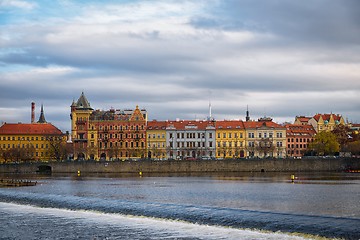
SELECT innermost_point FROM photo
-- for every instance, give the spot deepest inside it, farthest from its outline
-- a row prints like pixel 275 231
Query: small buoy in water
pixel 140 173
pixel 78 172
pixel 292 177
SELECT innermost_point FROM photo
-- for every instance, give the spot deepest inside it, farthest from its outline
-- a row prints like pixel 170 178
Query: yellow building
pixel 156 139
pixel 326 122
pixel 230 139
pixel 41 141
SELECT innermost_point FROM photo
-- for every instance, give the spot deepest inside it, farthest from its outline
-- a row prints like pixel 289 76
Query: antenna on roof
pixel 210 118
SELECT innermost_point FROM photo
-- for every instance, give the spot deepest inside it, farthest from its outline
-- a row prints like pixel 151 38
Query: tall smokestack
pixel 32 112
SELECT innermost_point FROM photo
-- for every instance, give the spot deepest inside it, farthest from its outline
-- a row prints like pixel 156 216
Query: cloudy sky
pixel 282 58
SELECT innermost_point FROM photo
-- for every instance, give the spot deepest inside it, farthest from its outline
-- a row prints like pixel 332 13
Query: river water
pixel 220 206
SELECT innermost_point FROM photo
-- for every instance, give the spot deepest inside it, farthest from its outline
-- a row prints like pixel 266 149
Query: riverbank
pixel 16 183
pixel 173 166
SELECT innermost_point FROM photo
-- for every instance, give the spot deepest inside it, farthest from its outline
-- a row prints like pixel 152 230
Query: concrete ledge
pixel 184 166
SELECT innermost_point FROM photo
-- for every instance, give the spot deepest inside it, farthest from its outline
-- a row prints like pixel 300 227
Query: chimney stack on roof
pixel 32 112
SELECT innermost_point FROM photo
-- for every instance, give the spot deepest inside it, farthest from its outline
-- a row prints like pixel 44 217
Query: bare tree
pixel 265 147
pixel 58 149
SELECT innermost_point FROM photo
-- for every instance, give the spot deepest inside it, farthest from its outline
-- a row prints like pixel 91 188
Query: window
pixel 229 135
pixel 210 135
pixel 251 135
pixel 259 135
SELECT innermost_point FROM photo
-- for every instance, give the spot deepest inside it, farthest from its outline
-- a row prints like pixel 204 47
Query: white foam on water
pixel 167 228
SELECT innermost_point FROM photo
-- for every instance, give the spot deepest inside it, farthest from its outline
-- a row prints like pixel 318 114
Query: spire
pixel 42 116
pixel 247 113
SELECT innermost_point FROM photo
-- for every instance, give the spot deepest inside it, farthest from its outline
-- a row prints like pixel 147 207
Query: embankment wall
pixel 234 165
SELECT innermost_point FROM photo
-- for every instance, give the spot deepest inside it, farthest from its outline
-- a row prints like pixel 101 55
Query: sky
pixel 281 58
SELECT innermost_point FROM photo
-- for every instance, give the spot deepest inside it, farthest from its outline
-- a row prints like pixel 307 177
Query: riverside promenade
pixel 186 166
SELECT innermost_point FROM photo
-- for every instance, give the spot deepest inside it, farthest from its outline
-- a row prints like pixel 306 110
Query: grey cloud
pixel 317 21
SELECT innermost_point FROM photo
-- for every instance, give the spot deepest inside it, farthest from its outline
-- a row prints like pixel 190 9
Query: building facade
pixel 298 138
pixel 107 135
pixel 156 140
pixel 302 120
pixel 190 139
pixel 326 122
pixel 230 139
pixel 36 141
pixel 264 138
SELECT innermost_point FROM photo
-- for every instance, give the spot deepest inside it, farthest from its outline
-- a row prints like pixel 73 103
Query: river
pixel 207 206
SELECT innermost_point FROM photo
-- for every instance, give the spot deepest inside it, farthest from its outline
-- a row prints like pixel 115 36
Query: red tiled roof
pixel 326 117
pixel 231 124
pixel 303 119
pixel 258 124
pixel 188 124
pixel 298 128
pixel 156 125
pixel 29 129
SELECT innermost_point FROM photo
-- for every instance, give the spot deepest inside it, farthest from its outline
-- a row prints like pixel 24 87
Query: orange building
pixel 298 138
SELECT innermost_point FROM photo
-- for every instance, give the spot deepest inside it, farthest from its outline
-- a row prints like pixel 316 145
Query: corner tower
pixel 80 116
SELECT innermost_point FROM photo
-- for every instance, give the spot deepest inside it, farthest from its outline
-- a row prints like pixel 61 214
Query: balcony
pixel 80 140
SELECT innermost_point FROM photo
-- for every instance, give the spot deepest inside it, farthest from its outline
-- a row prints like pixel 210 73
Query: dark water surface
pixel 220 206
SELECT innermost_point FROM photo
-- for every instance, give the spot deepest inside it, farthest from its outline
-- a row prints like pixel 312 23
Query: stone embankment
pixel 186 166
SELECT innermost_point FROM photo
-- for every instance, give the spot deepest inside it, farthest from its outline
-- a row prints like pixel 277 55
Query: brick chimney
pixel 32 112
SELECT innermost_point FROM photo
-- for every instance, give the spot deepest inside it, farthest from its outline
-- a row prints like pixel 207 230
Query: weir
pixel 184 166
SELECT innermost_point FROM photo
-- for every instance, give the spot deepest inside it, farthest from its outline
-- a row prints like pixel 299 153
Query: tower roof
pixel 83 103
